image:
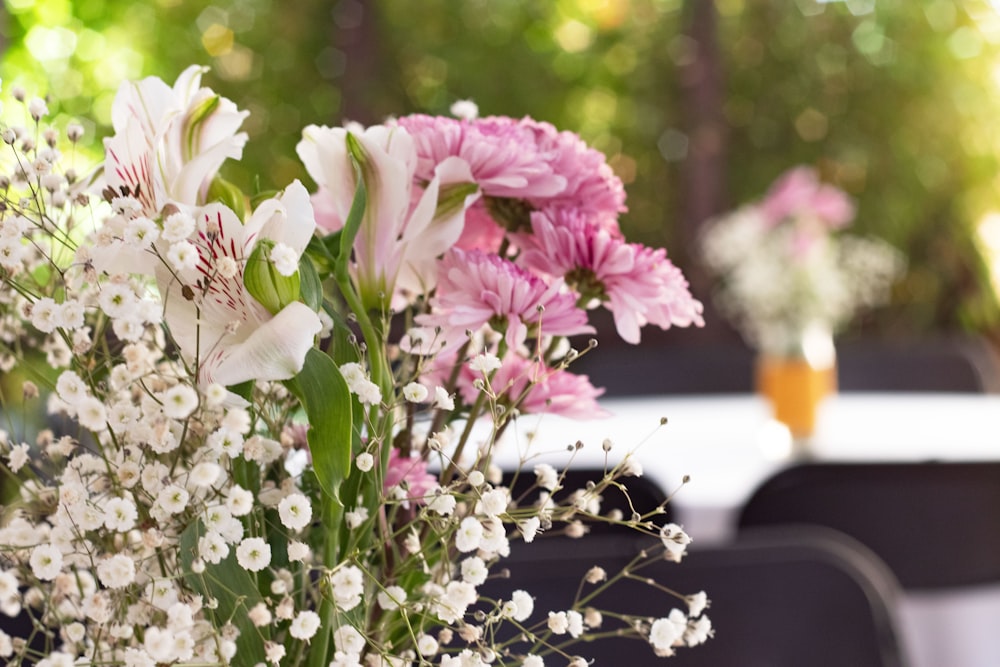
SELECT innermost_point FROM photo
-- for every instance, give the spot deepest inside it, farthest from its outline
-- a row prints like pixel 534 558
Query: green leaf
pixel 235 591
pixel 226 193
pixel 324 396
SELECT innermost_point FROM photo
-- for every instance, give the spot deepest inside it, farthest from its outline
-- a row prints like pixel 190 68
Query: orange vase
pixel 794 387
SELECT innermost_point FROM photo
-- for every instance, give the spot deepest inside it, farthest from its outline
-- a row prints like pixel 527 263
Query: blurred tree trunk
pixel 356 34
pixel 702 88
pixel 703 173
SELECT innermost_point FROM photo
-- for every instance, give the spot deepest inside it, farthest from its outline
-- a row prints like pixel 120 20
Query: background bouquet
pixel 262 445
pixel 784 272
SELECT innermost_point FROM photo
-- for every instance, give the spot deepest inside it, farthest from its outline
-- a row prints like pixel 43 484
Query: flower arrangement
pixel 261 443
pixel 784 269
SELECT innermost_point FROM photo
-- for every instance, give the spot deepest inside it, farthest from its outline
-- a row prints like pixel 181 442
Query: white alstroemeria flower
pixel 170 142
pixel 236 337
pixel 404 231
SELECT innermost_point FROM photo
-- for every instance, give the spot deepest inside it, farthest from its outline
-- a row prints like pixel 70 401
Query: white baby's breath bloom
pixel 427 645
pixel 173 499
pixel 529 528
pixel 91 414
pixel 117 571
pixel 215 395
pixel 596 575
pixel 485 363
pixel 415 392
pixel 356 517
pixel 493 502
pixel 253 554
pixel 38 108
pixel 304 625
pixel 452 605
pixel 70 387
pixel 298 551
pixel 347 585
pixel 120 514
pixel 558 623
pixel 631 467
pixel 575 623
pixel 697 603
pixel 260 615
pixel 12 252
pixel 285 259
pixel 46 561
pixel 205 474
pixel 476 478
pixel 443 400
pixel 353 373
pixel 368 392
pixel 523 605
pixel 183 256
pixel 364 461
pixel 546 476
pixel 474 570
pixel 295 511
pixel 675 541
pixel 442 502
pixel 212 548
pixel 341 659
pixel 391 598
pixel 227 267
pixel 698 631
pixel 239 501
pixel 274 652
pixel 465 109
pixel 45 315
pixel 18 457
pixel 141 232
pixel 237 420
pixel 469 535
pixel 177 227
pixel 533 661
pixel 664 632
pixel 348 640
pixel 179 401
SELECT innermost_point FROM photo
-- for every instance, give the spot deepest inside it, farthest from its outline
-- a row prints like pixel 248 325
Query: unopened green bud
pixel 261 278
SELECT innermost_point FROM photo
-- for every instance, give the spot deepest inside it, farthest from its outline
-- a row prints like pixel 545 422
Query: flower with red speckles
pixel 170 142
pixel 235 337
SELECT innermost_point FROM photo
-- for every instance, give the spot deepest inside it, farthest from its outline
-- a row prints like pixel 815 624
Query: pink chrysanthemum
pixel 798 192
pixel 413 471
pixel 591 185
pixel 503 155
pixel 639 285
pixel 476 289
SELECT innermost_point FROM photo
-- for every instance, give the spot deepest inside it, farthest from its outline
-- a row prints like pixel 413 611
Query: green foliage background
pixel 896 100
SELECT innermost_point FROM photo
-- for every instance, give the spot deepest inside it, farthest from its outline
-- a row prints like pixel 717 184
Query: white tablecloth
pixel 728 445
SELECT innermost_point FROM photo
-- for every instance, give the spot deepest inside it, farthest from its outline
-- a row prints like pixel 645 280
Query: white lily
pixel 212 316
pixel 170 142
pixel 404 231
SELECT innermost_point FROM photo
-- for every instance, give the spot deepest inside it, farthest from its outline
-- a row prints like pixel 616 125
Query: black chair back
pixel 934 524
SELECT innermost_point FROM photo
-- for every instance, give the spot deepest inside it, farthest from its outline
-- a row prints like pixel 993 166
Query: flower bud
pixel 262 279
